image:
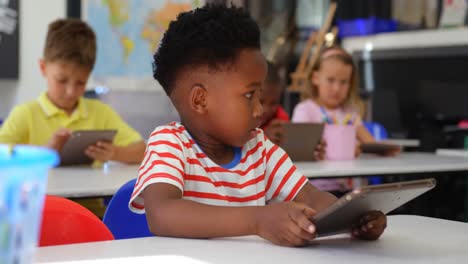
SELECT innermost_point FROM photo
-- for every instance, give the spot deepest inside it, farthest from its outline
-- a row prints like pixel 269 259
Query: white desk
pixel 75 182
pixel 403 142
pixel 405 163
pixel 408 239
pixel 453 152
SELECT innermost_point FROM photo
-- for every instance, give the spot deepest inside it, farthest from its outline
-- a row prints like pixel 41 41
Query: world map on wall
pixel 128 33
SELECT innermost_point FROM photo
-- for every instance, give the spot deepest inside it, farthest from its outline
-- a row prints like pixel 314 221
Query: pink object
pixel 341 142
pixel 463 124
pixel 308 111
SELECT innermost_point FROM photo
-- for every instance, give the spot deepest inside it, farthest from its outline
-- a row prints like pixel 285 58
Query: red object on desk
pixel 67 222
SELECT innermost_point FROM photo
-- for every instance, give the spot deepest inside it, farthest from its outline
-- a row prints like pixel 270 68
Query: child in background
pixel 69 56
pixel 333 95
pixel 215 174
pixel 274 116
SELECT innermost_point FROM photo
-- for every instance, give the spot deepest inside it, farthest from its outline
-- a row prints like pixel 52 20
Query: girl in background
pixel 334 96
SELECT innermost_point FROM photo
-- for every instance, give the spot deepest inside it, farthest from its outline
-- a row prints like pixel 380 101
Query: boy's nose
pixel 258 110
pixel 72 91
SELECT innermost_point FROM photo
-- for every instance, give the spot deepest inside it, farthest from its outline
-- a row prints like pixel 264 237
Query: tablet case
pixel 73 152
pixel 378 148
pixel 339 217
pixel 301 140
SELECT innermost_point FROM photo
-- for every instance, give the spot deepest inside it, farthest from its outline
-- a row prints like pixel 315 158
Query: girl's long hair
pixel 336 53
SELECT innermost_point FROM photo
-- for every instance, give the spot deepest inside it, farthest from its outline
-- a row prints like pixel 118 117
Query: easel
pixel 301 76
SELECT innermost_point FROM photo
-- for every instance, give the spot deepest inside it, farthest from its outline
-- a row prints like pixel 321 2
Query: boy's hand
pixel 319 152
pixel 59 138
pixel 101 151
pixel 275 131
pixel 370 226
pixel 286 224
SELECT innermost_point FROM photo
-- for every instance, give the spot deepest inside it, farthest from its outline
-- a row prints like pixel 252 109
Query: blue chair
pixel 120 220
pixel 379 132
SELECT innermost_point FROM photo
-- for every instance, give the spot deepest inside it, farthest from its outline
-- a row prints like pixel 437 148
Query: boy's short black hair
pixel 209 36
pixel 272 74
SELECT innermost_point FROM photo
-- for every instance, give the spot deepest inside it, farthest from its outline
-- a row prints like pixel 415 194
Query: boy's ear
pixel 198 98
pixel 42 66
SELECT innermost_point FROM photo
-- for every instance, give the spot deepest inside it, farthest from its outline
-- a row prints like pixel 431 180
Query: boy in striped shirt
pixel 215 174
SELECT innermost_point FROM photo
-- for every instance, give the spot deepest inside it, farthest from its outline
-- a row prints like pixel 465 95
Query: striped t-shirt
pixel 260 172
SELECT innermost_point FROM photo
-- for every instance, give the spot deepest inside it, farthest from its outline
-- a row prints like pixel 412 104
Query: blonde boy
pixel 69 57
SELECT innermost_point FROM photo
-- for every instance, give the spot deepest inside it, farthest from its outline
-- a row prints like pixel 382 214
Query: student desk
pixel 85 181
pixel 80 182
pixel 408 239
pixel 408 166
pixel 410 143
pixel 371 165
pixel 453 152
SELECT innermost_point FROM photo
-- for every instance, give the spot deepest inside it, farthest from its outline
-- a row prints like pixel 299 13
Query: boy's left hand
pixel 370 226
pixel 101 151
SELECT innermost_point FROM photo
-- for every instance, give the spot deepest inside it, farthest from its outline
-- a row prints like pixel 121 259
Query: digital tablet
pixel 301 140
pixel 379 148
pixel 339 217
pixel 73 152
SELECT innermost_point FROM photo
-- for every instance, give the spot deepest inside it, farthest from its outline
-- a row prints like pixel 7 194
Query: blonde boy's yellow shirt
pixel 35 122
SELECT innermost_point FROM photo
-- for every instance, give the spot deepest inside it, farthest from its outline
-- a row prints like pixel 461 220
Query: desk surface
pixel 405 163
pixel 453 152
pixel 403 142
pixel 74 182
pixel 408 239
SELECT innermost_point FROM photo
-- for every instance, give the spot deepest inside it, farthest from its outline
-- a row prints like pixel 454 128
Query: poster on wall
pixel 128 33
pixel 9 39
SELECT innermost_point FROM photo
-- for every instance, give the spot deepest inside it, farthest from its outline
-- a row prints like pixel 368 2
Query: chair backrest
pixel 67 222
pixel 122 222
pixel 377 130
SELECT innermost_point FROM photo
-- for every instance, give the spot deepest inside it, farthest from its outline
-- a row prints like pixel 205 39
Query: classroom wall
pixel 34 18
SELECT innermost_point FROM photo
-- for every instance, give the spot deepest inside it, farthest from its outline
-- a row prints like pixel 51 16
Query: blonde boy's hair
pixel 336 53
pixel 72 41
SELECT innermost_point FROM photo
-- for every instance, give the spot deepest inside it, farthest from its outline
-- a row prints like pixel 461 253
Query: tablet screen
pixel 73 152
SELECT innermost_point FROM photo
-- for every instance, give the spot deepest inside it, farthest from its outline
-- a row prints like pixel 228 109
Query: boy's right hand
pixel 59 138
pixel 286 224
